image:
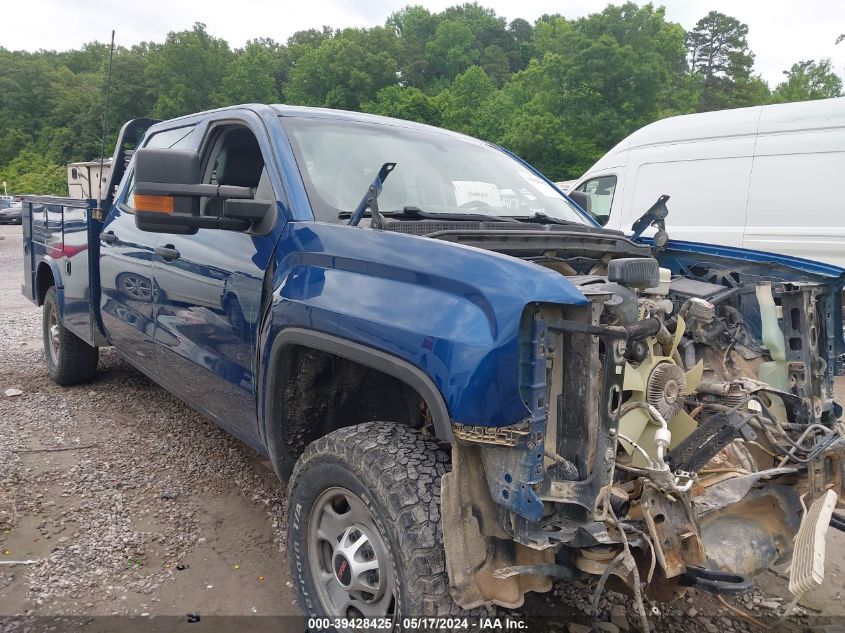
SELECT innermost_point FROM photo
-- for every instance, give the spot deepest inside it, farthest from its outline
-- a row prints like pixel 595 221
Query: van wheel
pixel 70 360
pixel 364 531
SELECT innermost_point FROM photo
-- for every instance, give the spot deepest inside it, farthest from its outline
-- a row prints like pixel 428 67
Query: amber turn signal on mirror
pixel 155 204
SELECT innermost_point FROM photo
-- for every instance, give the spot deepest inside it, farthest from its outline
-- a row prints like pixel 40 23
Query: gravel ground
pixel 132 504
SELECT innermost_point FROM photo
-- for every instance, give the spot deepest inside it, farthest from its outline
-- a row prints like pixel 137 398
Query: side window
pixel 601 192
pixel 177 138
pixel 234 158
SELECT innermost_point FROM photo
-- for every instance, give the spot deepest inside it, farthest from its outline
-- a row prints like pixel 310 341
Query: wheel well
pixel 317 392
pixel 44 280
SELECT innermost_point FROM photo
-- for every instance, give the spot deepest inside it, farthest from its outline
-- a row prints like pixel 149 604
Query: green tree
pixel 465 35
pixel 463 103
pixel 345 70
pixel 550 34
pixel 719 55
pixel 496 64
pixel 75 126
pixel 413 27
pixel 26 99
pixel 408 103
pixel 251 75
pixel 184 73
pixel 808 80
pixel 88 59
pixel 300 44
pixel 33 172
pixel 522 34
pixel 131 96
pixel 452 49
pixel 488 29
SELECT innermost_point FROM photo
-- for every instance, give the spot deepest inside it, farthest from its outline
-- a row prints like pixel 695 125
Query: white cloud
pixel 781 32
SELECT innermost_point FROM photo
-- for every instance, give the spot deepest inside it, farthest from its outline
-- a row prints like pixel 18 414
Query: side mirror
pixel 583 200
pixel 168 190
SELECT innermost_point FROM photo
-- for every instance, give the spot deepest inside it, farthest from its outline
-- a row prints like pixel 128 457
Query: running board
pixel 807 570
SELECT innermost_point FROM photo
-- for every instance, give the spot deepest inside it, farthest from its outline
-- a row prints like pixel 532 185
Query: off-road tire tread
pixel 77 360
pixel 403 470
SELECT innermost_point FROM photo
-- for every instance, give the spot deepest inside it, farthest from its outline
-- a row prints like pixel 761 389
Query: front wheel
pixel 364 531
pixel 70 360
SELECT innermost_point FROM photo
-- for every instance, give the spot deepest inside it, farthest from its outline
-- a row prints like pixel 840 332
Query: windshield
pixel 436 172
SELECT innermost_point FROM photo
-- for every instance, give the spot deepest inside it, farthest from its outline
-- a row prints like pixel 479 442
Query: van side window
pixel 177 138
pixel 601 192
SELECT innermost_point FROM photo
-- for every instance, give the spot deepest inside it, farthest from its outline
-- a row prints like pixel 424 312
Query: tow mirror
pixel 169 188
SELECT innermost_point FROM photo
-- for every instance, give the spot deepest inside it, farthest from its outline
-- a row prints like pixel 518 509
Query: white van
pixel 766 178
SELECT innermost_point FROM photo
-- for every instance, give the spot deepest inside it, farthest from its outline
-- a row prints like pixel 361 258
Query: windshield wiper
pixel 541 217
pixel 415 213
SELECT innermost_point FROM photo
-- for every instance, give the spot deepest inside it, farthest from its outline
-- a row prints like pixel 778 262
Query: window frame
pixel 581 189
pixel 128 190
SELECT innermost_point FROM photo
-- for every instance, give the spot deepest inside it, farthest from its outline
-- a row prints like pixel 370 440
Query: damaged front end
pixel 682 432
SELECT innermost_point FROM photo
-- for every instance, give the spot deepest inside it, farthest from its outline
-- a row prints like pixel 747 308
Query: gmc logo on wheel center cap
pixel 342 570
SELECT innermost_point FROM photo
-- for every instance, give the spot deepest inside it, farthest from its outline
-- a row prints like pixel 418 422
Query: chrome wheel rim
pixel 53 335
pixel 349 560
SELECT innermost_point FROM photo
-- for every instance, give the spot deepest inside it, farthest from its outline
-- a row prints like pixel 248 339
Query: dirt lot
pixel 132 504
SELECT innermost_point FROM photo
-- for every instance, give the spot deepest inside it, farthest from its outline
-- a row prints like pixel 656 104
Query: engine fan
pixel 661 382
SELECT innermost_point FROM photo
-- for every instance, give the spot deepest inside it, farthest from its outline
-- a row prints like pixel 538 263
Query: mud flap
pixel 476 545
pixel 807 570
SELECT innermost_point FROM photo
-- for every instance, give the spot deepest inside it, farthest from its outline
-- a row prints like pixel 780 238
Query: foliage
pixel 808 80
pixel 559 91
pixel 184 72
pixel 32 171
pixel 344 70
pixel 719 54
pixel 253 75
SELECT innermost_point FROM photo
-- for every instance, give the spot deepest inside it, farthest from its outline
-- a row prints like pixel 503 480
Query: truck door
pixel 126 268
pixel 207 307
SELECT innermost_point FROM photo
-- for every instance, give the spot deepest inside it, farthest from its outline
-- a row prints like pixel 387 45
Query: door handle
pixel 167 252
pixel 108 238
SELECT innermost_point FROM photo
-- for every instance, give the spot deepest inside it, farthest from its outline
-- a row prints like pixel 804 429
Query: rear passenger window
pixel 177 138
pixel 601 192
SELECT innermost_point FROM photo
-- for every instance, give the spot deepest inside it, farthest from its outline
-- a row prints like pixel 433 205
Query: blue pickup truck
pixel 473 388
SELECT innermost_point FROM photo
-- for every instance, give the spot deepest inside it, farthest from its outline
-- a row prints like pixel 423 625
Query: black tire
pixel 70 360
pixel 396 473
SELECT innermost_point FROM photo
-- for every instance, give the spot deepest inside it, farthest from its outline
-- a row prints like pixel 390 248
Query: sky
pixel 781 32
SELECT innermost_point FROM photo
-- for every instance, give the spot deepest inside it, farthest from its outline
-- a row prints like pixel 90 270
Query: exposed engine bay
pixel 682 432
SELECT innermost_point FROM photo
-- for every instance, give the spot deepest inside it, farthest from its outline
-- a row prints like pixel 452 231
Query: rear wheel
pixel 70 360
pixel 364 531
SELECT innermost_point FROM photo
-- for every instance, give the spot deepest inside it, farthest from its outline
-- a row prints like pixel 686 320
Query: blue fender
pixel 450 311
pixel 57 278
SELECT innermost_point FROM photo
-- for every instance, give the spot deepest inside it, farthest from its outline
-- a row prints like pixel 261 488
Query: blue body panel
pixel 451 311
pixel 60 236
pixel 678 252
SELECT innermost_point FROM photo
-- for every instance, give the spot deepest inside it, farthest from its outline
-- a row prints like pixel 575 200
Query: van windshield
pixel 436 172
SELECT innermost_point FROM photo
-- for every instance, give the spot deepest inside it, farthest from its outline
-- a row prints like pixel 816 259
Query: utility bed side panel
pixel 61 234
pixel 28 289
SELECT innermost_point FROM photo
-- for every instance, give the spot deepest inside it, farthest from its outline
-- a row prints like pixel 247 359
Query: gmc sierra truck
pixel 472 387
